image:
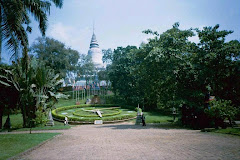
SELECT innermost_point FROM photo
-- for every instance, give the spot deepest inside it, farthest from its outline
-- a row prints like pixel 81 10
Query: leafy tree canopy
pixel 170 70
pixel 54 54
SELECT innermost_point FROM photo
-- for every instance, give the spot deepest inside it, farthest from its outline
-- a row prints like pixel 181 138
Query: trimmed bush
pixel 107 117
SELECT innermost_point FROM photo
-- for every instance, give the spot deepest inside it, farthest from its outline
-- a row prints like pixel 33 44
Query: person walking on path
pixel 143 120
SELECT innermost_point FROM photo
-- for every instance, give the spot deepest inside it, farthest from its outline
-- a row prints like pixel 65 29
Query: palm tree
pixel 15 21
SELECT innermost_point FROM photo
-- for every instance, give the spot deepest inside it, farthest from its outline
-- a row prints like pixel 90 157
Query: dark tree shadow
pixel 140 127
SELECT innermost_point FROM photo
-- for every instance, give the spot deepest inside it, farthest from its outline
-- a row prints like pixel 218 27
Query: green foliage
pixel 55 55
pixel 85 67
pixel 232 131
pixel 36 86
pixel 170 70
pixel 41 117
pixel 107 56
pixel 66 89
pixel 102 75
pixel 15 21
pixel 13 144
pixel 17 121
pixel 221 109
pixel 120 73
pixel 138 110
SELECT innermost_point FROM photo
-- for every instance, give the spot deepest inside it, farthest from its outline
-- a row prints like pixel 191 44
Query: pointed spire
pixel 94 43
pixel 93 26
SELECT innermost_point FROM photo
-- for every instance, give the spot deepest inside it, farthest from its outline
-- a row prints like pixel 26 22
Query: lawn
pixel 68 102
pixel 233 131
pixel 17 121
pixel 156 117
pixel 13 144
pixel 65 102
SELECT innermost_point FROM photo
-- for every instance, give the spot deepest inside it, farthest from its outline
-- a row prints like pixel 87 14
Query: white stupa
pixel 95 52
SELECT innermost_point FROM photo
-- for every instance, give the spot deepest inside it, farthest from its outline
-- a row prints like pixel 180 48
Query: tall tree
pixel 36 91
pixel 85 67
pixel 107 56
pixel 15 21
pixel 120 72
pixel 55 55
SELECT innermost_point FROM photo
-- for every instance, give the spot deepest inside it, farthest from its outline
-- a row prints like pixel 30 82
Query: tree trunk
pixel 24 116
pixel 0 35
pixel 1 115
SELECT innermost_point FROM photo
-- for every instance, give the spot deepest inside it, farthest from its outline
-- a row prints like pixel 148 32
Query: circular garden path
pixel 127 141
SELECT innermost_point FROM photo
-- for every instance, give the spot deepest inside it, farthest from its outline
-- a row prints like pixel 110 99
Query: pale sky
pixel 121 22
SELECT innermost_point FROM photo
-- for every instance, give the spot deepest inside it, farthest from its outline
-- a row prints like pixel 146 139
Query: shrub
pixel 40 117
pixel 221 110
pixel 138 109
pixel 66 89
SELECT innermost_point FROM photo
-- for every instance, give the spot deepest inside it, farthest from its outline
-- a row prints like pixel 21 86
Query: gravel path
pixel 127 141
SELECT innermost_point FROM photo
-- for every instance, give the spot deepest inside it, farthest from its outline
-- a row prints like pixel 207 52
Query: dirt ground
pixel 128 141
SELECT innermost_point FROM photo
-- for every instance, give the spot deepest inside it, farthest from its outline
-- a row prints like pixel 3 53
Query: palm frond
pixel 39 10
pixel 5 84
pixel 12 29
pixel 58 3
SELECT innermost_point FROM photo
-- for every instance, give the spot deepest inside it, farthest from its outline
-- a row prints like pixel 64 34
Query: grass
pixel 68 102
pixel 232 131
pixel 13 144
pixel 65 102
pixel 156 117
pixel 57 126
pixel 16 123
pixel 15 119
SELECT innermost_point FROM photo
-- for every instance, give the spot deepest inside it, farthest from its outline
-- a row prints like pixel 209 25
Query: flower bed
pixel 113 113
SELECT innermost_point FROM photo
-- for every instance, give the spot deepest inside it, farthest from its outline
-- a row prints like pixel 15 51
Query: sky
pixel 121 22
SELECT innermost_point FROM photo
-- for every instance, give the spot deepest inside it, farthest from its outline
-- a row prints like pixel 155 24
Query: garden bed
pixel 86 114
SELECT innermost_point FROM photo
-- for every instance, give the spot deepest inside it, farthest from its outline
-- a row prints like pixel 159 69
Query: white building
pixel 96 53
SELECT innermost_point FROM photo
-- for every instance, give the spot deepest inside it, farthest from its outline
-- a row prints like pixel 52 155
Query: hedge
pixel 86 119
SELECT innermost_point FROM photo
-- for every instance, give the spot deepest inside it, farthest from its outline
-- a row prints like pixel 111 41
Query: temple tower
pixel 95 52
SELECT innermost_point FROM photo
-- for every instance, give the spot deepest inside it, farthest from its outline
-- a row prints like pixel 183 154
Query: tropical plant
pixel 15 21
pixel 37 87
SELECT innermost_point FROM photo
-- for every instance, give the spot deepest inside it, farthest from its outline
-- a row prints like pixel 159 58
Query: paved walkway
pixel 127 141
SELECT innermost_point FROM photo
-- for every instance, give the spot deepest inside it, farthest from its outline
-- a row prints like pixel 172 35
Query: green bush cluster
pixel 221 110
pixel 138 109
pixel 91 119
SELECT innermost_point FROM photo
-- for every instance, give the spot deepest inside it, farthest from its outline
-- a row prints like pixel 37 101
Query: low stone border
pixel 16 157
pixel 104 122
